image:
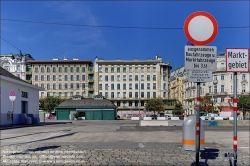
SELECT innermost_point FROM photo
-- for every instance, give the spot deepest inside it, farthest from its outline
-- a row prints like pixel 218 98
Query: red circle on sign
pixel 12 93
pixel 197 42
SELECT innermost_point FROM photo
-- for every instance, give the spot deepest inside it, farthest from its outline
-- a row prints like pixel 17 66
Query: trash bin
pixel 189 134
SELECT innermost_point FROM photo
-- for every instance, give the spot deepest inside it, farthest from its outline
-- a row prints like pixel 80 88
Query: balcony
pixel 29 81
pixel 193 87
pixel 169 106
pixel 245 93
pixel 244 81
pixel 28 73
pixel 90 89
pixel 91 72
pixel 222 93
pixel 221 69
pixel 185 80
pixel 91 81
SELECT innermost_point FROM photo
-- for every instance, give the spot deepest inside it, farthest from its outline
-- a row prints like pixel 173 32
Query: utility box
pixel 189 134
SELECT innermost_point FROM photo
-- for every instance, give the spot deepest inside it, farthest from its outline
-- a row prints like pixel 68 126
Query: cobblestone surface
pixel 108 145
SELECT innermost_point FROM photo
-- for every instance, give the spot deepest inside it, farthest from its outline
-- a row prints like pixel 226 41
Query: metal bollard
pixel 188 134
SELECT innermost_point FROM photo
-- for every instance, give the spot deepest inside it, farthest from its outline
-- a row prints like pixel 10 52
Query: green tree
pixel 244 102
pixel 178 108
pixel 155 105
pixel 48 103
pixel 206 104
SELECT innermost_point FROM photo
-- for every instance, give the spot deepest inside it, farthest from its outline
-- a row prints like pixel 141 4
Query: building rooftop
pixel 86 102
pixel 59 61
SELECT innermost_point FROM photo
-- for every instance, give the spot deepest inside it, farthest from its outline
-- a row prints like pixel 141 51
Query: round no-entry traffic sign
pixel 12 95
pixel 200 28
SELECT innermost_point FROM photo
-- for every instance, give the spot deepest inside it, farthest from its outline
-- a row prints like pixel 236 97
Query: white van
pixel 226 115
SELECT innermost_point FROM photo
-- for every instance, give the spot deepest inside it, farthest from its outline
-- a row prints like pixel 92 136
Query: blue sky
pixel 45 42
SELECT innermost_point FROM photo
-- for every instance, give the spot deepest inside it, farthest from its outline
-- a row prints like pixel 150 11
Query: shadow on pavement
pixel 207 154
pixel 44 139
pixel 37 149
pixel 27 135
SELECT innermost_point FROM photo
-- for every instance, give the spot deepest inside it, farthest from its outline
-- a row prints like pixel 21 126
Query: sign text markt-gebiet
pixel 237 60
pixel 200 58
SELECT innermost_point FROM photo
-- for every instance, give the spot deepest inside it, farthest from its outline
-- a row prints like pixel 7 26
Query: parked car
pixel 167 117
pixel 247 117
pixel 181 117
pixel 153 116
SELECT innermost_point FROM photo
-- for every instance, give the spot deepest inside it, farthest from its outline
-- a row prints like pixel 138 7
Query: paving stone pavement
pixel 104 143
pixel 47 154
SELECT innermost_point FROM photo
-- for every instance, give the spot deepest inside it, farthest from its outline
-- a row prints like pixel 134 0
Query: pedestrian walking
pixel 50 116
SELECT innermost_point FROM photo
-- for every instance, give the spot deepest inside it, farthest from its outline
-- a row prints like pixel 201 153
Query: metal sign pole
pixel 198 125
pixel 12 116
pixel 235 118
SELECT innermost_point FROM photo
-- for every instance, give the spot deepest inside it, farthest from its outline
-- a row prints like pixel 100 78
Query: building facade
pixel 63 78
pixel 220 89
pixel 130 83
pixel 26 98
pixel 176 84
pixel 18 65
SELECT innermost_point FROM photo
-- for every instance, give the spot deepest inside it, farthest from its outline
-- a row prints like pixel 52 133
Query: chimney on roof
pixel 55 59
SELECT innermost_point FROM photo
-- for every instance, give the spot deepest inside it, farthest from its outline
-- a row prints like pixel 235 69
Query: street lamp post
pixel 139 100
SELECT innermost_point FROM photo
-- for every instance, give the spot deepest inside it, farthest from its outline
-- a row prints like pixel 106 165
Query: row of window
pixel 61 69
pixel 66 78
pixel 66 94
pixel 66 86
pixel 130 78
pixel 18 68
pixel 130 103
pixel 222 76
pixel 124 95
pixel 222 88
pixel 215 99
pixel 215 91
pixel 124 70
pixel 130 87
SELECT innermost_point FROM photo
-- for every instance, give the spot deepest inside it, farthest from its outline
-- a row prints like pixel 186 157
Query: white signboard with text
pixel 200 58
pixel 237 60
pixel 200 76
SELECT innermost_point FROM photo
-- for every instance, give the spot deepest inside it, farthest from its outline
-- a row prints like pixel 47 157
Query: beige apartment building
pixel 220 89
pixel 131 83
pixel 176 84
pixel 64 78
